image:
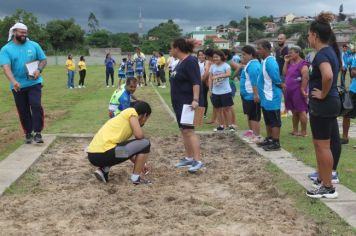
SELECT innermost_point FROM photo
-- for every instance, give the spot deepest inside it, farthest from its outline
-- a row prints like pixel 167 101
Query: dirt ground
pixel 234 195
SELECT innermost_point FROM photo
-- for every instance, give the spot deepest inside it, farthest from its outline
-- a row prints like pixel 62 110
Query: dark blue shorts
pixel 251 109
pixel 272 118
pixel 130 74
pixel 222 100
pixel 178 111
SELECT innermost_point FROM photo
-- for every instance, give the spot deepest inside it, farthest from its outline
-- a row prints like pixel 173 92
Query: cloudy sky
pixel 122 15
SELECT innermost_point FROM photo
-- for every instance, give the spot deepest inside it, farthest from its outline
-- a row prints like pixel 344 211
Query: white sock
pixel 188 158
pixel 134 177
pixel 334 172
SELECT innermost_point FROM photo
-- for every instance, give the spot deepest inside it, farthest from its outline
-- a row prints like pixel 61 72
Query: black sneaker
pixel 323 192
pixel 101 175
pixel 38 138
pixel 263 143
pixel 28 138
pixel 219 128
pixel 141 181
pixel 274 146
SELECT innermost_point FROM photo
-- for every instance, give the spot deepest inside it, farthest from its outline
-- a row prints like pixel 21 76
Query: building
pixel 220 43
pixel 344 35
pixel 201 34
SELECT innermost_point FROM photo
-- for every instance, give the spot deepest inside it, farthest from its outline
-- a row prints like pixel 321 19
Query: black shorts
pixel 322 128
pixel 251 109
pixel 112 156
pixel 352 114
pixel 178 107
pixel 272 118
pixel 222 100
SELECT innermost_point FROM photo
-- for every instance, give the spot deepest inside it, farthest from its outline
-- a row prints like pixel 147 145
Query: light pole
pixel 247 7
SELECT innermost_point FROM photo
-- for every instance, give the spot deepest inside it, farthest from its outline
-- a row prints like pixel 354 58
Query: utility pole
pixel 247 7
pixel 140 23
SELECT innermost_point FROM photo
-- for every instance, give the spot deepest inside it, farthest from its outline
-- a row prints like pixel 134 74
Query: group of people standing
pixel 71 69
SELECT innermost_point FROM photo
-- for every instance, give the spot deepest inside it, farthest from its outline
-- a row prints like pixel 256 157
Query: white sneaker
pixel 107 86
pixel 112 85
pixel 83 86
pixel 163 86
pixel 79 86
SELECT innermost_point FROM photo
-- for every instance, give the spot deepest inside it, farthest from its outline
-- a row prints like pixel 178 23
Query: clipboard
pixel 31 67
pixel 192 117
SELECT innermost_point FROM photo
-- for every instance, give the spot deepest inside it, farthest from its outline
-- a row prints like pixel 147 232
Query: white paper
pixel 187 117
pixel 32 67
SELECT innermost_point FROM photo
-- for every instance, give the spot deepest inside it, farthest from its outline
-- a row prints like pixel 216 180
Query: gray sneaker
pixel 184 163
pixel 323 192
pixel 196 165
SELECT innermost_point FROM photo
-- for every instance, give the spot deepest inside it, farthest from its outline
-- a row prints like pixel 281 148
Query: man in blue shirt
pixel 352 113
pixel 121 98
pixel 346 63
pixel 26 88
pixel 269 86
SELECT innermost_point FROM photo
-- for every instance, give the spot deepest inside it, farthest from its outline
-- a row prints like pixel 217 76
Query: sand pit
pixel 233 196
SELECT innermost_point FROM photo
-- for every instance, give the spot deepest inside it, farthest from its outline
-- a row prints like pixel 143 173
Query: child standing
pixel 122 73
pixel 220 91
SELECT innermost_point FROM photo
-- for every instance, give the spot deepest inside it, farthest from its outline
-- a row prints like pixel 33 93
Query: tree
pixel 254 23
pixel 99 39
pixel 209 43
pixel 149 46
pixel 233 24
pixel 35 30
pixel 165 32
pixel 121 40
pixel 65 34
pixel 93 23
pixel 264 19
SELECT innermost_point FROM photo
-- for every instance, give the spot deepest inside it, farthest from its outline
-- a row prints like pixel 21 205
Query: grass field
pixel 85 110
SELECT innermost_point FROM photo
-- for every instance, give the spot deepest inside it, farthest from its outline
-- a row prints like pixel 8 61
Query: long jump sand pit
pixel 233 196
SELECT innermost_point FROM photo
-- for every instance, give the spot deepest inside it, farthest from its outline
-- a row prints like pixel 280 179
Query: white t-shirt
pixel 222 85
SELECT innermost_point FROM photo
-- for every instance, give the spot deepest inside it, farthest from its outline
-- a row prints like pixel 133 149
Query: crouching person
pixel 112 145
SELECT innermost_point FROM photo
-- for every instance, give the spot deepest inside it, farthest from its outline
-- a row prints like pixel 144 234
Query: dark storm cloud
pixel 122 15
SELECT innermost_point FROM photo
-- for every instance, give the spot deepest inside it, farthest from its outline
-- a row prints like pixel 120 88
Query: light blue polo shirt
pixel 248 79
pixel 353 81
pixel 17 55
pixel 268 85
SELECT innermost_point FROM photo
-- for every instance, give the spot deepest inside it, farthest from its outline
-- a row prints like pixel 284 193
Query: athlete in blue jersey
pixel 122 71
pixel 121 99
pixel 139 67
pixel 249 93
pixel 153 67
pixel 130 73
pixel 269 85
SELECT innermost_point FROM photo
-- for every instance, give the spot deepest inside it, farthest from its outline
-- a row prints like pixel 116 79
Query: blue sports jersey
pixel 120 100
pixel 353 81
pixel 129 66
pixel 153 63
pixel 122 69
pixel 17 55
pixel 347 59
pixel 248 79
pixel 139 63
pixel 268 84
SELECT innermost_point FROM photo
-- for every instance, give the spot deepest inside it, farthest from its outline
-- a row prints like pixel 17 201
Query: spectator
pixel 109 65
pixel 82 71
pixel 70 65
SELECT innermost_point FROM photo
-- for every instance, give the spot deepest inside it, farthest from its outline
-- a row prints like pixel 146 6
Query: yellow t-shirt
pixel 82 65
pixel 70 64
pixel 161 61
pixel 113 132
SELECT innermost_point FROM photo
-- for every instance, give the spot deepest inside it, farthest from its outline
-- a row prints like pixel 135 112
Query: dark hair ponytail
pixel 184 45
pixel 321 26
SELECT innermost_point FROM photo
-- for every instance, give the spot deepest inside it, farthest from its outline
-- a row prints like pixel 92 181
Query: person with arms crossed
pixel 26 89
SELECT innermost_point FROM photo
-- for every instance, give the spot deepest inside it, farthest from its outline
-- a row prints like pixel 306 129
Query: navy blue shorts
pixel 178 111
pixel 272 118
pixel 251 109
pixel 222 100
pixel 130 74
